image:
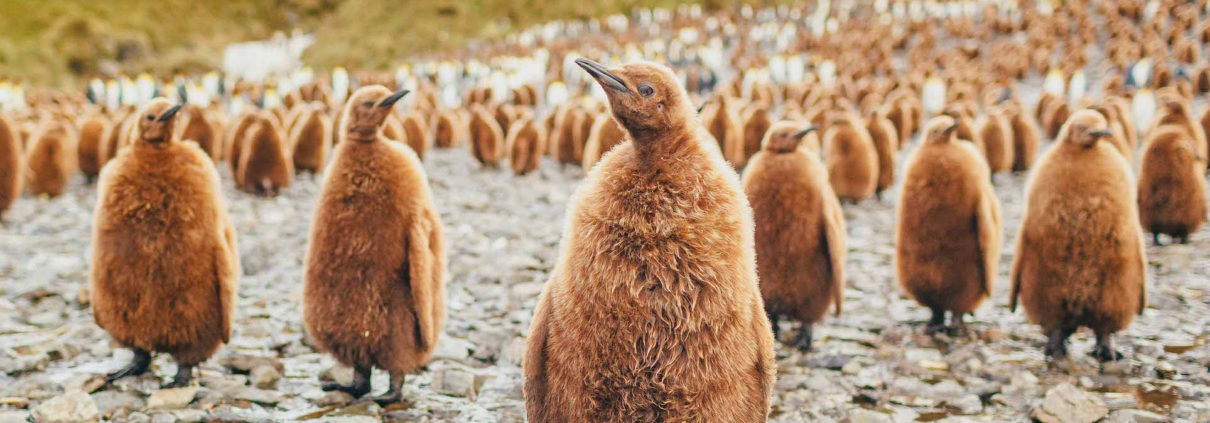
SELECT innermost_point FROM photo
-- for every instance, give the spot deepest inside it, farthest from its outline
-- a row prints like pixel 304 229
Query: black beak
pixel 1096 135
pixel 804 132
pixel 603 77
pixel 951 128
pixel 390 100
pixel 169 114
pixel 1006 95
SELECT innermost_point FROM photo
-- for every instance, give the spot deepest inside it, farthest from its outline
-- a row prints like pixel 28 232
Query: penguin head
pixel 786 136
pixel 366 111
pixel 156 121
pixel 943 128
pixel 645 98
pixel 1085 128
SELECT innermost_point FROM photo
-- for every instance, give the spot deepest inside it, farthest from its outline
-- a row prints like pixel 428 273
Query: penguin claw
pixel 1056 352
pixel 352 389
pixel 1105 354
pixel 390 397
pixel 138 365
pixel 934 328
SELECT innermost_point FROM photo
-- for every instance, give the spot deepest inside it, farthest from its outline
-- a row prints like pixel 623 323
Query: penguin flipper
pixel 534 367
pixel 226 273
pixel 1018 260
pixel 834 238
pixel 420 275
pixel 987 229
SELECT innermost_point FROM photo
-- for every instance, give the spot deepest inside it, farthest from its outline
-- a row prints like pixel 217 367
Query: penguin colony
pixel 1104 172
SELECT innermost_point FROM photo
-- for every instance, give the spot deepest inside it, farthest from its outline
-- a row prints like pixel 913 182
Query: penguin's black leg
pixel 1156 238
pixel 878 195
pixel 1183 238
pixel 805 337
pixel 957 325
pixel 1056 346
pixel 184 376
pixel 138 365
pixel 773 324
pixel 359 387
pixel 394 394
pixel 1104 351
pixel 936 324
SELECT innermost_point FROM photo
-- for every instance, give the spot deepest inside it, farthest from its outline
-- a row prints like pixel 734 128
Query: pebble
pixel 264 376
pixel 173 398
pixel 74 406
pixel 454 380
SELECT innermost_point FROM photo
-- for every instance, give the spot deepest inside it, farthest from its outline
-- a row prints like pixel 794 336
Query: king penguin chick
pixel 1172 199
pixel 311 139
pixel 165 265
pixel 200 130
pixel 525 143
pixel 1025 137
pixel 947 242
pixel 416 133
pixel 653 311
pixel 11 175
pixel 88 148
pixel 756 124
pixel 487 139
pixel 265 163
pixel 886 143
pixel 997 134
pixel 800 231
pixel 605 134
pixel 1080 259
pixel 51 160
pixel 373 294
pixel 851 157
pixel 447 129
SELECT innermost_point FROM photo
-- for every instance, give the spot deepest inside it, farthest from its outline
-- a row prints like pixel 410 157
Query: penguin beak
pixel 1096 135
pixel 951 128
pixel 603 77
pixel 169 114
pixel 390 100
pixel 804 132
pixel 1004 96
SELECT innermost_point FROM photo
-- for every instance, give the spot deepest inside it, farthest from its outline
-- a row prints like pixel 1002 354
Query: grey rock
pixel 861 415
pixel 74 406
pixel 264 376
pixel 454 380
pixel 1068 404
pixel 454 349
pixel 169 399
pixel 115 403
pixel 1135 416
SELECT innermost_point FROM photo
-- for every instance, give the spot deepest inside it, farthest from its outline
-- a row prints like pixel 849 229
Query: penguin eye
pixel 646 90
pixel 368 104
pixel 150 118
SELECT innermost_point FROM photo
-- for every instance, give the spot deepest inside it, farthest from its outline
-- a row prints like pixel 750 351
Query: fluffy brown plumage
pixel 563 139
pixel 1172 199
pixel 93 130
pixel 947 239
pixel 265 163
pixel 851 157
pixel 1025 138
pixel 724 124
pixel 51 160
pixel 236 137
pixel 756 124
pixel 886 143
pixel 200 130
pixel 11 165
pixel 525 144
pixel 165 265
pixel 113 138
pixel 800 230
pixel 996 132
pixel 1080 259
pixel 311 139
pixel 448 129
pixel 417 134
pixel 605 135
pixel 487 139
pixel 374 294
pixel 653 311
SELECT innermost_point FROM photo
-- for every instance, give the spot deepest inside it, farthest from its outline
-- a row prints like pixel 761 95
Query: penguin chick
pixel 563 139
pixel 11 175
pixel 525 144
pixel 947 242
pixel 800 230
pixel 235 144
pixel 165 264
pixel 756 124
pixel 886 142
pixel 199 130
pixel 416 133
pixel 487 139
pixel 1025 137
pixel 851 157
pixel 373 293
pixel 88 147
pixel 311 139
pixel 997 135
pixel 265 163
pixel 51 160
pixel 605 135
pixel 1080 259
pixel 724 124
pixel 448 129
pixel 1172 198
pixel 656 266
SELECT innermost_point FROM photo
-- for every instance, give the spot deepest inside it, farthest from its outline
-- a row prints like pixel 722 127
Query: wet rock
pixel 1068 404
pixel 74 406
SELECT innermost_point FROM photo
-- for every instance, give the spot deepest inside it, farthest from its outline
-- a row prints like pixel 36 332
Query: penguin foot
pixel 183 378
pixel 1155 237
pixel 1103 351
pixel 138 365
pixel 393 395
pixel 1056 346
pixel 805 338
pixel 359 387
pixel 936 324
pixel 773 324
pixel 1183 240
pixel 957 326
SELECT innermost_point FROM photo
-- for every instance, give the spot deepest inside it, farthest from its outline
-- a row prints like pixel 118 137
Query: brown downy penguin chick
pixel 51 160
pixel 1053 117
pixel 996 132
pixel 1172 198
pixel 311 139
pixel 374 294
pixel 11 165
pixel 199 130
pixel 947 242
pixel 851 157
pixel 265 163
pixel 487 139
pixel 525 146
pixel 112 140
pixel 447 129
pixel 165 266
pixel 606 133
pixel 88 148
pixel 886 143
pixel 1173 110
pixel 235 143
pixel 725 125
pixel 653 311
pixel 800 230
pixel 417 135
pixel 1025 137
pixel 563 139
pixel 1080 259
pixel 756 124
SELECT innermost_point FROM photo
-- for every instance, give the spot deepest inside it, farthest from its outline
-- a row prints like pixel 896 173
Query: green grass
pixel 65 42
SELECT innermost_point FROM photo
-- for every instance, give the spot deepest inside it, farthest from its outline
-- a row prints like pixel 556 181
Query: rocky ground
pixel 872 364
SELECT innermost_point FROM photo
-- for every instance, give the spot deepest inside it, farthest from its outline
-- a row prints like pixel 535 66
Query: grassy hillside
pixel 63 42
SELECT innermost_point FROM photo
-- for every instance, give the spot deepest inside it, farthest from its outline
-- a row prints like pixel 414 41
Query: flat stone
pixel 74 406
pixel 173 398
pixel 1068 404
pixel 861 415
pixel 264 376
pixel 1135 416
pixel 455 381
